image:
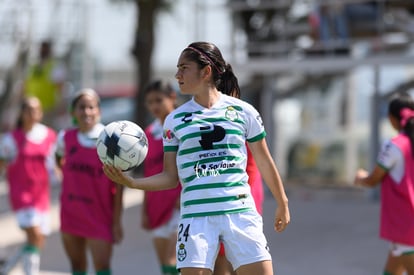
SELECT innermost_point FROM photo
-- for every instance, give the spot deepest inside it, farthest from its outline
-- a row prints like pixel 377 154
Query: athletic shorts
pixel 241 234
pixel 398 249
pixel 169 228
pixel 30 217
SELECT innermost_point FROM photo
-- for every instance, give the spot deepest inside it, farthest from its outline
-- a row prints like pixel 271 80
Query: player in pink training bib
pixel 91 204
pixel 160 210
pixel 26 152
pixel 394 171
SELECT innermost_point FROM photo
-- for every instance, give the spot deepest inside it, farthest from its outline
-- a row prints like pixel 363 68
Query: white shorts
pixel 241 234
pixel 29 217
pixel 398 249
pixel 169 228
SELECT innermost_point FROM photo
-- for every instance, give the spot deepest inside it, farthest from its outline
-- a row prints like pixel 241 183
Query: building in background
pixel 322 100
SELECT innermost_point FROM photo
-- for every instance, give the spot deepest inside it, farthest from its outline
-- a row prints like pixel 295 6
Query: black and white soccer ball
pixel 122 144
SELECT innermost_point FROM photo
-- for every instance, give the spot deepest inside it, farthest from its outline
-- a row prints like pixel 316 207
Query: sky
pixel 112 26
pixel 108 28
pixel 110 31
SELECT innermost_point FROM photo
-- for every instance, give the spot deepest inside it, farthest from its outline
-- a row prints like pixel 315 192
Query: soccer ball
pixel 122 144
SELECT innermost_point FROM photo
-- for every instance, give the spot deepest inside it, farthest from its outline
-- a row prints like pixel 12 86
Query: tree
pixel 142 50
pixel 7 95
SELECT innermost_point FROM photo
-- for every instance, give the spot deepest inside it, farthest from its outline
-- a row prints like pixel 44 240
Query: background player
pixel 91 204
pixel 160 209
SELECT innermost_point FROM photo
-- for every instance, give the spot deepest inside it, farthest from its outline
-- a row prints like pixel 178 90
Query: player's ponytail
pixel 228 83
pixel 401 107
pixel 408 127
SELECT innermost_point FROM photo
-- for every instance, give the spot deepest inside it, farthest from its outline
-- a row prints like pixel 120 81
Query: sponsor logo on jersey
pixel 212 154
pixel 212 169
pixel 187 118
pixel 211 134
pixel 168 135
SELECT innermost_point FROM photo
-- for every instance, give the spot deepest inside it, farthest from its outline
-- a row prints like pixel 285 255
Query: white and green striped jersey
pixel 211 154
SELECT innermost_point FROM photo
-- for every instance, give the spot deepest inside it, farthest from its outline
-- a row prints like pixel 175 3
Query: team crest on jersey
pixel 231 113
pixel 168 135
pixel 181 252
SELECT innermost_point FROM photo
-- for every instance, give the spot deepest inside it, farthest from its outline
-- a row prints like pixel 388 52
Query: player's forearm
pixel 118 204
pixel 275 184
pixel 2 165
pixel 272 178
pixel 159 181
pixel 366 182
pixel 366 179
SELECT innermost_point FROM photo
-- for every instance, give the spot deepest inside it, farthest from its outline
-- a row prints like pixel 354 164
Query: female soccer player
pixel 160 209
pixel 395 173
pixel 91 204
pixel 205 147
pixel 26 153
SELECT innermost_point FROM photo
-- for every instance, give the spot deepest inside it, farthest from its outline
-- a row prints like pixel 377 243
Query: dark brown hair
pixel 205 53
pixel 23 106
pixel 398 103
pixel 159 85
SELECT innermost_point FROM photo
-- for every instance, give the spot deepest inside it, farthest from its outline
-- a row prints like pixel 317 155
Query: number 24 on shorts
pixel 183 232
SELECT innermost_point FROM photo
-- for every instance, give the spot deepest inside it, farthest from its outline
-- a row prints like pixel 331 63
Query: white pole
pixel 375 122
pixel 351 143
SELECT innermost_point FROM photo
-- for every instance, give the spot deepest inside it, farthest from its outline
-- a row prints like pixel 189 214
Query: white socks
pixel 11 262
pixel 31 263
pixel 30 257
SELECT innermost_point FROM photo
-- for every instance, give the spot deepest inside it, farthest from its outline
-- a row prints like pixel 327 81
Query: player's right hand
pixel 116 175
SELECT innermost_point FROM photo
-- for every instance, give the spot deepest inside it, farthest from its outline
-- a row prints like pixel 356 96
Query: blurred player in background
pixel 44 80
pixel 91 204
pixel 394 171
pixel 27 154
pixel 161 209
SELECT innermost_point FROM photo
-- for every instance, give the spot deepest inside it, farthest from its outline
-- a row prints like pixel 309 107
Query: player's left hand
pixel 360 175
pixel 282 218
